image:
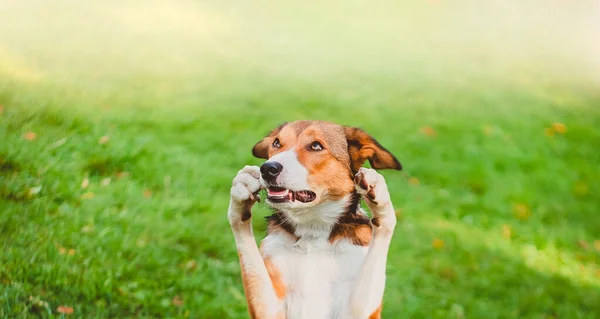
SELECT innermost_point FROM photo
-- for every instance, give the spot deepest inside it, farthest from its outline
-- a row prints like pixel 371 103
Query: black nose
pixel 270 170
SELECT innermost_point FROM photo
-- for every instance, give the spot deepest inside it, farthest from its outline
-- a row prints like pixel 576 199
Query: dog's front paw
pixel 371 185
pixel 244 193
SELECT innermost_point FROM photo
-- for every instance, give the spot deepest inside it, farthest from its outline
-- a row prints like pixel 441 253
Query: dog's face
pixel 311 162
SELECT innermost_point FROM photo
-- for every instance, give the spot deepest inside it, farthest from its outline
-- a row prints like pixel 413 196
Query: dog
pixel 322 256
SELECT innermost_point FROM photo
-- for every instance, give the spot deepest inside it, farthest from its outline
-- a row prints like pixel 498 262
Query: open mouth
pixel 278 194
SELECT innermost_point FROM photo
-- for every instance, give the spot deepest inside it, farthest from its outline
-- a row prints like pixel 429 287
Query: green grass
pixel 499 219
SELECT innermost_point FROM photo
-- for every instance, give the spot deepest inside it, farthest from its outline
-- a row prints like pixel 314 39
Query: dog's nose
pixel 270 170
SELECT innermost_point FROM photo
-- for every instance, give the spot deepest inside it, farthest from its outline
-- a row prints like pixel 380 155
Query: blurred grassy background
pixel 122 124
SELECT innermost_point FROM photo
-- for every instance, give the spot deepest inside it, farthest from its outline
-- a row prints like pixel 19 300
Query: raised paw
pixel 372 186
pixel 244 193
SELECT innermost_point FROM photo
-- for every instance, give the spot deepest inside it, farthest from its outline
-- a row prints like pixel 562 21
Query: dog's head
pixel 311 162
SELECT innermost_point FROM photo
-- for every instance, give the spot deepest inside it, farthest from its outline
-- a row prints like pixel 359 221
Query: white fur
pixel 244 185
pixel 368 289
pixel 318 275
pixel 316 221
pixel 322 280
pixel 294 176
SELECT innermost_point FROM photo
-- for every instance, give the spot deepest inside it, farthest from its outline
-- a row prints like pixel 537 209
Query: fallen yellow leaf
pixel 447 273
pixel 85 183
pixel 438 243
pixel 177 301
pixel 105 181
pixel 104 140
pixel 30 136
pixel 458 310
pixel 506 232
pixel 580 189
pixel 398 213
pixel 428 131
pixel 522 211
pixel 34 191
pixel 559 128
pixel 487 130
pixel 191 265
pixel 122 175
pixel 65 310
pixel 88 195
pixel 87 229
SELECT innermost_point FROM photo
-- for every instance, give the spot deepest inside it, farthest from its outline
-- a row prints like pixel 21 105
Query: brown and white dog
pixel 322 256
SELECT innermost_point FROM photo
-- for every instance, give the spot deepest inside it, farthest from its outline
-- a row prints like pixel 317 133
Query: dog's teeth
pixel 278 194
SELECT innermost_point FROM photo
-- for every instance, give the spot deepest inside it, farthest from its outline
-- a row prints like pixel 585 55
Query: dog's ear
pixel 362 147
pixel 261 149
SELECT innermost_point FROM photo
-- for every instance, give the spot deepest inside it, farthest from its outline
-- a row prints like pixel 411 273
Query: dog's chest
pixel 318 276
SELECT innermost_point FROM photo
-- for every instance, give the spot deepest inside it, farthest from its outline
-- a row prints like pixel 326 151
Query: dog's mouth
pixel 278 194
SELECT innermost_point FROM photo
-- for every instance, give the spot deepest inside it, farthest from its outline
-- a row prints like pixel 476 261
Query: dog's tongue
pixel 273 192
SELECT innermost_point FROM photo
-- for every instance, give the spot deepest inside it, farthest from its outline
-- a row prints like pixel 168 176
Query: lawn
pixel 121 128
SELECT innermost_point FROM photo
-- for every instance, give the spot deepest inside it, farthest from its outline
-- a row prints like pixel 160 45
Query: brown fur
pixel 277 223
pixel 377 313
pixel 249 280
pixel 354 227
pixel 345 150
pixel 362 147
pixel 276 279
pixel 349 145
pixel 262 148
pixel 329 168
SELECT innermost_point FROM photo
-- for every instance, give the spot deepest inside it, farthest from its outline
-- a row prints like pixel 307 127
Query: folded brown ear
pixel 261 149
pixel 362 147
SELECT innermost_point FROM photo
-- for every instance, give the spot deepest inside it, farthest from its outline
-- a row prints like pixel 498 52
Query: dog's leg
pixel 260 294
pixel 367 294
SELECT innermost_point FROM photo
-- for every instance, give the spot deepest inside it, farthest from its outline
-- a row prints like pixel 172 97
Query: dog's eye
pixel 276 143
pixel 316 146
